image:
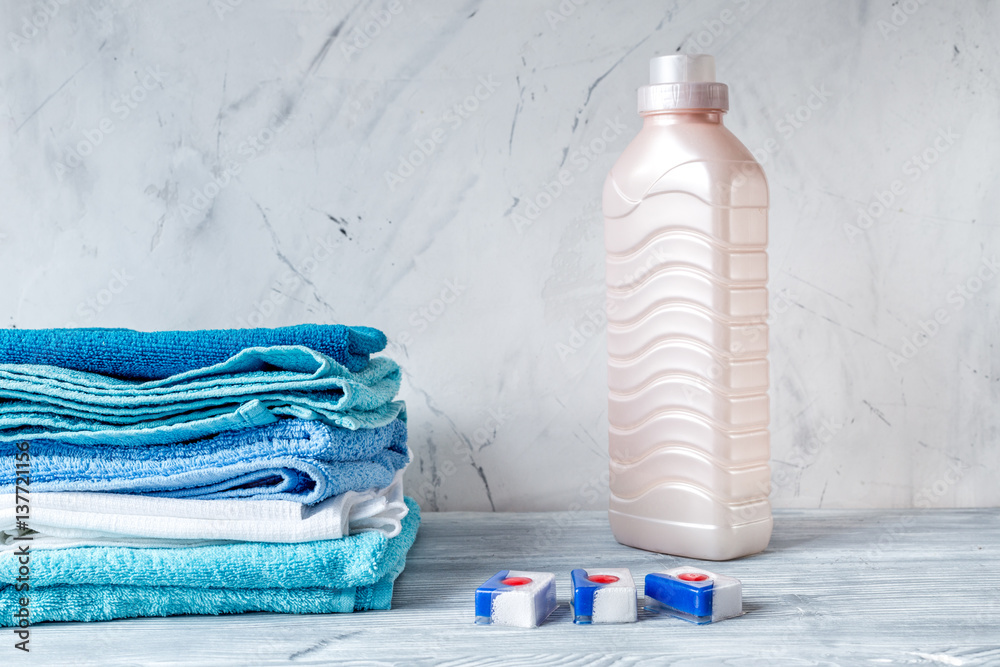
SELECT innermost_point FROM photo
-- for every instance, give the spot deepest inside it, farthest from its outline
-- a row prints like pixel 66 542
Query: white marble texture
pixel 118 117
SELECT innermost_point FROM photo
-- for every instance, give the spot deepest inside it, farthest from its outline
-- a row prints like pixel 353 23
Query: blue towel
pixel 298 460
pixel 141 355
pixel 253 388
pixel 104 583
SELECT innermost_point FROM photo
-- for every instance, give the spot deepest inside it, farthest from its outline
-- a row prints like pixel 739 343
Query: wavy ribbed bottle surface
pixel 685 217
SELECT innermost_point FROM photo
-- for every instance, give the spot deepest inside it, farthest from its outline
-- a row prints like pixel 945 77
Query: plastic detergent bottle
pixel 685 220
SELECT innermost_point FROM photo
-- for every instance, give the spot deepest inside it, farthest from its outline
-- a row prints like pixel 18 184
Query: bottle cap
pixel 683 82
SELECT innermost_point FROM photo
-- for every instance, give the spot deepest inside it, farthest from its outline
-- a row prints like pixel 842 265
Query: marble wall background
pixel 219 163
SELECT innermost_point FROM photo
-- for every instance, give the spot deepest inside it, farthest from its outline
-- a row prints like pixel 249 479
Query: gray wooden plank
pixel 834 587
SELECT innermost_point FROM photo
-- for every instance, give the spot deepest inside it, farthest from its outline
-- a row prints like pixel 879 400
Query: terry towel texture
pixel 203 472
pixel 253 388
pixel 294 459
pixel 103 583
pixel 141 355
pixel 61 520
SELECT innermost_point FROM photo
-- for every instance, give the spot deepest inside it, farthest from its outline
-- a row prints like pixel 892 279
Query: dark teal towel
pixel 141 355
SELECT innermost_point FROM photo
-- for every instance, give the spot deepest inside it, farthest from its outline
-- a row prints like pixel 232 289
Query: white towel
pixel 115 519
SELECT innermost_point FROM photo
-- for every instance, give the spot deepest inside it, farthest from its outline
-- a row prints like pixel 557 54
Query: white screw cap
pixel 683 82
pixel 682 68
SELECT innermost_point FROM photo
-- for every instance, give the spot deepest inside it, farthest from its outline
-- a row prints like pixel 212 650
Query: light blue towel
pixel 294 459
pixel 104 583
pixel 254 388
pixel 141 355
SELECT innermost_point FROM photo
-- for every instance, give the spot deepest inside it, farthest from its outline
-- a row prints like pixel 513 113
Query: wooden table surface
pixel 919 587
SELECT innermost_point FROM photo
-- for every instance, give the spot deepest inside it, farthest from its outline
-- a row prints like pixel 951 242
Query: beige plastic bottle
pixel 685 219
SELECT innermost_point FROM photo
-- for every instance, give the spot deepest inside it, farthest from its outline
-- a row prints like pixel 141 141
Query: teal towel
pixel 253 388
pixel 106 603
pixel 141 355
pixel 104 583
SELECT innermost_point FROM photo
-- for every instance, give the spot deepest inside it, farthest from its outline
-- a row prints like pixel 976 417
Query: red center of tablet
pixel 516 581
pixel 603 578
pixel 692 576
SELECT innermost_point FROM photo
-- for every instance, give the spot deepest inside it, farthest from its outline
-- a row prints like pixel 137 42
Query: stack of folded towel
pixel 201 472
